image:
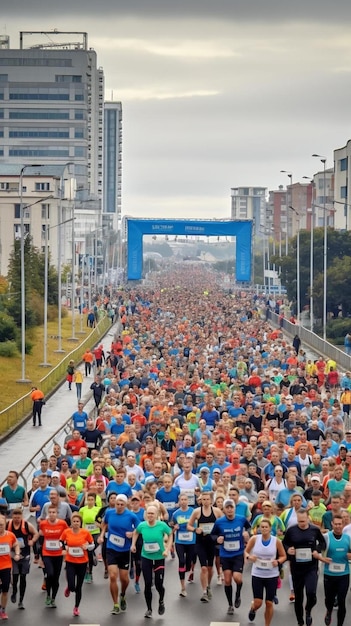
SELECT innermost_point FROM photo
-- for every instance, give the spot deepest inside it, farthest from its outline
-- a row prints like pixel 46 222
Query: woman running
pixel 76 541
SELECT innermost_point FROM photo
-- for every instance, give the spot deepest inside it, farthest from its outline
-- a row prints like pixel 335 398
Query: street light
pixel 298 304
pixel 23 378
pixel 323 160
pixel 311 257
pixel 289 175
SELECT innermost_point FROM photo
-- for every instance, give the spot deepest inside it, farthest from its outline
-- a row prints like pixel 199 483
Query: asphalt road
pixel 96 604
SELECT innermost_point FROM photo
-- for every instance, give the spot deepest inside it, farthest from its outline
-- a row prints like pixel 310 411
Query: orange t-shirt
pixel 74 542
pixel 7 541
pixel 52 534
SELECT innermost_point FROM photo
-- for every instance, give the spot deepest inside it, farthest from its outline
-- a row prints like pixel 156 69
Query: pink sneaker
pixel 4 615
pixel 76 612
pixel 67 592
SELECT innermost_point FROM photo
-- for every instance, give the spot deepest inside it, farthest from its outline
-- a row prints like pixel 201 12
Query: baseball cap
pixel 228 502
pixel 204 469
pixel 135 496
pixel 123 497
pixel 190 455
pixel 315 477
pixel 55 475
pixel 216 471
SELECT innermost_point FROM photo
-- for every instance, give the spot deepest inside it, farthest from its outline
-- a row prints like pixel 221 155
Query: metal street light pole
pixel 23 378
pixel 298 289
pixel 324 160
pixel 290 176
pixel 311 258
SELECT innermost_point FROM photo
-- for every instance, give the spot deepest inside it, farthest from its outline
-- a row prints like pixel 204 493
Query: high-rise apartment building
pixel 51 106
pixel 249 203
pixel 112 190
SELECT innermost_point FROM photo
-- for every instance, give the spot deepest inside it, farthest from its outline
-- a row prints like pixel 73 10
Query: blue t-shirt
pixel 118 525
pixel 169 499
pixel 232 531
pixel 114 487
pixel 183 535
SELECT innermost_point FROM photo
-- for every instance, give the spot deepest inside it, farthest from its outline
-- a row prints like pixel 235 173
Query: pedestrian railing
pixel 18 411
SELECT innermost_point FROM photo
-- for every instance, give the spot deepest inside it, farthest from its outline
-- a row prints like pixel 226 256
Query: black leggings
pixel 75 573
pixel 157 568
pixel 52 570
pixel 185 553
pixel 307 581
pixel 135 559
pixel 336 587
pixel 91 555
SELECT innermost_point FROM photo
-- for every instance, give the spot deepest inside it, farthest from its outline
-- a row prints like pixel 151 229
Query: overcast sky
pixel 215 93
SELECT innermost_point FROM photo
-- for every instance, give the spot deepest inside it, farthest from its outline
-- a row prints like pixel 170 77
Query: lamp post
pixel 290 176
pixel 323 160
pixel 311 255
pixel 298 289
pixel 23 378
pixel 59 269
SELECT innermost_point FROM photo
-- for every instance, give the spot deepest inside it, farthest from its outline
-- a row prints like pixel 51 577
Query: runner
pixel 88 515
pixel 51 529
pixel 26 536
pixel 336 570
pixel 76 541
pixel 119 525
pixel 201 522
pixel 184 539
pixel 8 542
pixel 153 555
pixel 304 544
pixel 267 554
pixel 230 532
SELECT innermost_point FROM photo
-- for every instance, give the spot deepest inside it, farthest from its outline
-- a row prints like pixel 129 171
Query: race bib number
pixel 207 528
pixel 4 549
pixel 20 542
pixel 303 555
pixel 117 540
pixel 231 546
pixel 91 527
pixel 263 564
pixel 185 536
pixel 151 546
pixel 51 544
pixel 337 568
pixel 169 505
pixel 77 552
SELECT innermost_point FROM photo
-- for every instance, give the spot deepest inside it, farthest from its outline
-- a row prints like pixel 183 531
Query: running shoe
pixel 53 604
pixel 115 609
pixel 204 597
pixel 105 574
pixel 137 588
pixel 47 601
pixel 230 610
pixel 94 560
pixel 327 618
pixel 67 592
pixel 183 593
pixel 252 615
pixel 148 614
pixel 276 600
pixel 20 605
pixel 14 598
pixel 219 580
pixel 237 602
pixel 209 593
pixel 161 608
pixel 308 619
pixel 4 615
pixel 75 612
pixel 123 603
pixel 191 577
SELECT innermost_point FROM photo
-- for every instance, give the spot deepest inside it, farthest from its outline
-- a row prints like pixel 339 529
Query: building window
pixel 17 211
pixel 343 192
pixel 343 164
pixel 45 211
pixel 42 186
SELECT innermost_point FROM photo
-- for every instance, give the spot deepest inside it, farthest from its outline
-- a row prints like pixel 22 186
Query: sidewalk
pixel 17 451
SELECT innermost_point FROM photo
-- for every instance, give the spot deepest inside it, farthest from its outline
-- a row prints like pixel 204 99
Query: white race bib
pixel 185 536
pixel 303 555
pixel 207 528
pixel 151 546
pixel 4 549
pixel 337 568
pixel 51 544
pixel 263 564
pixel 169 505
pixel 90 527
pixel 117 540
pixel 231 546
pixel 20 542
pixel 77 551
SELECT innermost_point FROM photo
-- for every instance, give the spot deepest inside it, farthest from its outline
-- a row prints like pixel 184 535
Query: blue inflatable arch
pixel 137 228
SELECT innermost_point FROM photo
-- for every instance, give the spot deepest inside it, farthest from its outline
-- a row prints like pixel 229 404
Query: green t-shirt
pixel 89 519
pixel 153 539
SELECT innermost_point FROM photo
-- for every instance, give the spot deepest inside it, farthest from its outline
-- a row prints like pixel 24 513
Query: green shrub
pixel 8 349
pixel 8 328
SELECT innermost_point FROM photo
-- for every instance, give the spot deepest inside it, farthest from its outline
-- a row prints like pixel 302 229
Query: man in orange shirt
pixel 38 400
pixel 8 542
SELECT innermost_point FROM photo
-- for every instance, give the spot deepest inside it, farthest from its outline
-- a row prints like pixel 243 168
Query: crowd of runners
pixel 215 442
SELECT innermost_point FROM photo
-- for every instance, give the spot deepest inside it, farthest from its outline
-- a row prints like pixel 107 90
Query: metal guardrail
pixel 313 341
pixel 14 414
